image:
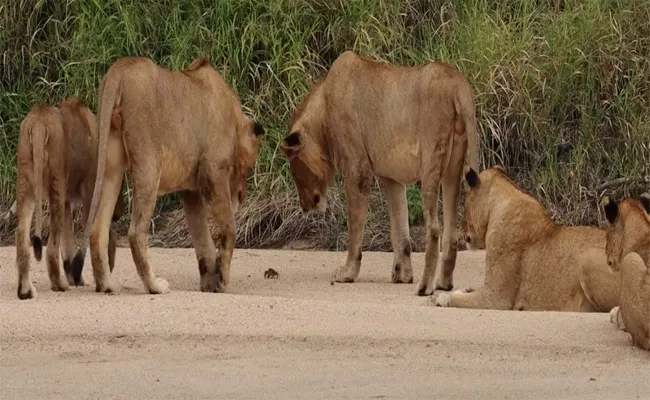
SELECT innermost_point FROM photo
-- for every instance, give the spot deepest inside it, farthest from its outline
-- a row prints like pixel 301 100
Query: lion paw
pixel 30 293
pixel 615 318
pixel 159 286
pixel 59 286
pixel 444 284
pixel 613 314
pixel 71 281
pixel 401 274
pixel 104 286
pixel 211 283
pixel 342 275
pixel 441 299
pixel 423 290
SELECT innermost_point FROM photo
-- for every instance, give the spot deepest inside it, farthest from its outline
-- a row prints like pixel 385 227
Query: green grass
pixel 547 74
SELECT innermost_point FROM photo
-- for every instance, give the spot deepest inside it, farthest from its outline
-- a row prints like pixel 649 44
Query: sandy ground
pixel 298 337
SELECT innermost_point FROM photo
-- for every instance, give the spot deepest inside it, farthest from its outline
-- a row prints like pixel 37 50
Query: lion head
pixel 306 149
pixel 308 169
pixel 247 151
pixel 480 199
pixel 475 215
pixel 628 228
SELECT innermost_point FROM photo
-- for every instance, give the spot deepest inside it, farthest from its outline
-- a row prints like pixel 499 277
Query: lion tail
pixel 38 134
pixel 466 108
pixel 108 97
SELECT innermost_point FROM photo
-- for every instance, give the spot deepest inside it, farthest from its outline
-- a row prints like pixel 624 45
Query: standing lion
pixel 401 124
pixel 176 131
pixel 56 162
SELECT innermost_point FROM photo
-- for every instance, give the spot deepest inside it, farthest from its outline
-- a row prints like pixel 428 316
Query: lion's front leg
pixel 483 298
pixel 498 292
pixel 144 200
pixel 216 193
pixel 357 192
pixel 430 192
pixel 206 253
pixel 399 231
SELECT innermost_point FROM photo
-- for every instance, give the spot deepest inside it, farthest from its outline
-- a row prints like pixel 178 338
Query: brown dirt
pixel 298 337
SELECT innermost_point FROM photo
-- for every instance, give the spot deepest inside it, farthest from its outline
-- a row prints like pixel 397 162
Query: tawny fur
pixel 531 263
pixel 402 124
pixel 176 131
pixel 56 163
pixel 628 251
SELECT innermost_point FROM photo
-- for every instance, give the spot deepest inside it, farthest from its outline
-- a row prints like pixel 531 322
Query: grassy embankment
pixel 563 88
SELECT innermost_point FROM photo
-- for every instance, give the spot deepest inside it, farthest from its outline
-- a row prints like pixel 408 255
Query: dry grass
pixel 562 88
pixel 262 222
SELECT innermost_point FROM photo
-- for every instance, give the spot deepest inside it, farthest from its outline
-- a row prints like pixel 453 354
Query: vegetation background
pixel 562 89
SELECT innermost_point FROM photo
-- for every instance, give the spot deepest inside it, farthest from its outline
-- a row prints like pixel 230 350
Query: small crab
pixel 271 273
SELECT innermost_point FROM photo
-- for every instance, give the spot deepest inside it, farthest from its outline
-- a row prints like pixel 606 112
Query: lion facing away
pixel 628 251
pixel 55 161
pixel 401 124
pixel 176 131
pixel 531 263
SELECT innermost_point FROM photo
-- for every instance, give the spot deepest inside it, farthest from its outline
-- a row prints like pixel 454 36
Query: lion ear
pixel 472 178
pixel 291 145
pixel 611 211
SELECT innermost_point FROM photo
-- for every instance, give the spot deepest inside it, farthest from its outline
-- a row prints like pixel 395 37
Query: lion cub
pixel 531 263
pixel 55 158
pixel 628 251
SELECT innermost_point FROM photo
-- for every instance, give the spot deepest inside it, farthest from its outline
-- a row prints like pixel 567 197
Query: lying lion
pixel 401 124
pixel 531 263
pixel 55 160
pixel 176 131
pixel 628 251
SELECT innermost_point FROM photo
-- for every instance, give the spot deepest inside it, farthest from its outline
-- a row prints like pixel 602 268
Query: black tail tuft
pixel 38 247
pixel 77 267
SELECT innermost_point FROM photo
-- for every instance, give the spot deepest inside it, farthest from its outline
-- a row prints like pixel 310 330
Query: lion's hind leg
pixel 450 191
pixel 99 235
pixel 600 285
pixel 57 211
pixel 68 244
pixel 112 239
pixel 430 195
pixel 145 181
pixel 25 205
